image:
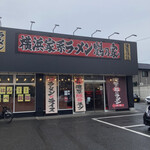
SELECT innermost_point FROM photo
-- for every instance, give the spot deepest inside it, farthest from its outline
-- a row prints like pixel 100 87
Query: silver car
pixel 147 99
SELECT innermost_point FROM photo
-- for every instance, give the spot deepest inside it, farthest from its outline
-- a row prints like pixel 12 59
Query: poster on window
pixel 27 98
pixel 116 93
pixel 2 90
pixel 9 90
pixel 20 97
pixel 5 98
pixel 79 94
pixel 19 90
pixel 51 94
pixel 26 90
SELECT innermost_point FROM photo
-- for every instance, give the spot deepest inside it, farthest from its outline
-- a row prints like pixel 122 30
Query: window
pixel 65 92
pixel 6 78
pixel 24 98
pixel 144 73
pixel 25 78
pixel 6 96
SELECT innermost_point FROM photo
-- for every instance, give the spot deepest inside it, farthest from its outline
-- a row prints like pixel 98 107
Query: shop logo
pixel 2 40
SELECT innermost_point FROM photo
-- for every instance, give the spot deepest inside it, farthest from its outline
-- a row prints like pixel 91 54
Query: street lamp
pixel 95 32
pixel 0 21
pixel 76 30
pixel 56 25
pixel 31 24
pixel 112 34
pixel 130 36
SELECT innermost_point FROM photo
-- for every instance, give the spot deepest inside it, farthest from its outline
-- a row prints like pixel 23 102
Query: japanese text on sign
pixel 51 94
pixel 2 40
pixel 9 90
pixel 27 97
pixel 26 90
pixel 19 90
pixel 79 94
pixel 5 98
pixel 20 98
pixel 2 90
pixel 72 47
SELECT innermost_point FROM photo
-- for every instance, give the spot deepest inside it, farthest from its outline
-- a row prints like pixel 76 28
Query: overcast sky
pixel 124 16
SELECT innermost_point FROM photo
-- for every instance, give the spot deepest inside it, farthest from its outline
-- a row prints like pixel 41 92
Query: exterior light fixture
pixel 130 36
pixel 31 24
pixel 8 79
pixel 40 79
pixel 76 30
pixel 112 34
pixel 56 25
pixel 0 22
pixel 17 79
pixel 95 32
pixel 25 79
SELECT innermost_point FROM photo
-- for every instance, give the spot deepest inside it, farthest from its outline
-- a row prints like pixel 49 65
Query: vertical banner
pixel 2 40
pixel 127 51
pixel 79 94
pixel 51 94
pixel 116 93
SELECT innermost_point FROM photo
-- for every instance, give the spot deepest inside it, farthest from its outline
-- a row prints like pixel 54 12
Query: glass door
pixel 89 98
pixel 99 98
pixel 94 97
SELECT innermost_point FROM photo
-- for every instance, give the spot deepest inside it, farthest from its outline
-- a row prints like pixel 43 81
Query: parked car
pixel 147 99
pixel 136 98
pixel 146 116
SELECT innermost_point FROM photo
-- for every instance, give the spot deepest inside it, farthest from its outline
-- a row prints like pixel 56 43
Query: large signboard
pixel 79 94
pixel 63 46
pixel 116 93
pixel 2 40
pixel 51 94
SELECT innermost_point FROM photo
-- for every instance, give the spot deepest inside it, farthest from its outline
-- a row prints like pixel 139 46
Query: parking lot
pixel 105 131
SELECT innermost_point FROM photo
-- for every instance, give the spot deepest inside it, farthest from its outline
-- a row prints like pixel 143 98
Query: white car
pixel 147 99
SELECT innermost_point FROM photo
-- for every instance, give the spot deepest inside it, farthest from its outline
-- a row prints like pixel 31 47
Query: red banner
pixel 62 46
pixel 116 93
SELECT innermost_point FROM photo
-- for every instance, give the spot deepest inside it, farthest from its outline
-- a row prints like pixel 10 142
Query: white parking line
pixel 139 133
pixel 120 116
pixel 122 127
pixel 132 126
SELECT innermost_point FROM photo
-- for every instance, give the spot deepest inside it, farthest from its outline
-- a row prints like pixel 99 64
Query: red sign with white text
pixel 63 46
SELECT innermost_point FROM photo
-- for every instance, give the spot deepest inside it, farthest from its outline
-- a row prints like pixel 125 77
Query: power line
pixel 143 39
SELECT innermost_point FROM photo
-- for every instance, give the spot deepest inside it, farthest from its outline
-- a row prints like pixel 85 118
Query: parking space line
pixel 120 116
pixel 120 127
pixel 132 126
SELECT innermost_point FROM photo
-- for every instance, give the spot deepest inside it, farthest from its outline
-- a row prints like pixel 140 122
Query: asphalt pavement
pixel 91 131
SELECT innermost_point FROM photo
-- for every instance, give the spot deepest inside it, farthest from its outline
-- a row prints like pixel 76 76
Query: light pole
pixel 31 24
pixel 95 32
pixel 56 25
pixel 112 34
pixel 0 21
pixel 76 30
pixel 130 36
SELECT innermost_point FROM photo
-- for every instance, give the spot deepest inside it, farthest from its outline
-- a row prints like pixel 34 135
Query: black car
pixel 136 98
pixel 146 116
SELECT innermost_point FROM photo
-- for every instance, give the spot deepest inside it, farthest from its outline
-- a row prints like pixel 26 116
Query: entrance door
pixel 94 98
